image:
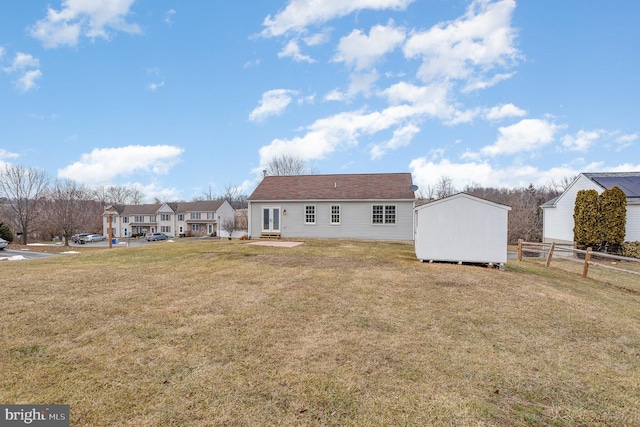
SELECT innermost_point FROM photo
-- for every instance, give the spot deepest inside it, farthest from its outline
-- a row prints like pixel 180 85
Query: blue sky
pixel 179 97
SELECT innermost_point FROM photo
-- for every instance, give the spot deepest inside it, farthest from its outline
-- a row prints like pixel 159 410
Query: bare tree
pixel 234 195
pixel 286 165
pixel 118 195
pixel 444 187
pixel 24 189
pixel 136 196
pixel 69 209
pixel 229 225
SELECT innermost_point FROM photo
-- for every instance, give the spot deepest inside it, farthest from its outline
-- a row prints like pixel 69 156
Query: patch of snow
pixel 70 252
pixel 15 258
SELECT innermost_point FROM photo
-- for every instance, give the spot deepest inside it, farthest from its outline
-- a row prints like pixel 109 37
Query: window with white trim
pixel 180 217
pixel 139 218
pixel 335 215
pixel 310 214
pixel 165 217
pixel 125 219
pixel 152 218
pixel 195 215
pixel 165 228
pixel 195 227
pixel 383 214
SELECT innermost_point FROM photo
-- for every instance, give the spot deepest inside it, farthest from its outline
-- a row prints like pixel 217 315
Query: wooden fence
pixel 548 250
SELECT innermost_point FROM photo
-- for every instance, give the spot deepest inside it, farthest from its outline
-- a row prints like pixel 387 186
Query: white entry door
pixel 271 219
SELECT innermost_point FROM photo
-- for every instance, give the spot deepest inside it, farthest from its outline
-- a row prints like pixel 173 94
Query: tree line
pixel 33 207
pixel 36 208
pixel 525 217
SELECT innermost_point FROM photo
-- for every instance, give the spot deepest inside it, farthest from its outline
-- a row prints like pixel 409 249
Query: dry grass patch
pixel 328 333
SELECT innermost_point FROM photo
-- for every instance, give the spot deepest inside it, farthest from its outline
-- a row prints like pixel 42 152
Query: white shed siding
pixel 558 220
pixel 355 220
pixel 462 228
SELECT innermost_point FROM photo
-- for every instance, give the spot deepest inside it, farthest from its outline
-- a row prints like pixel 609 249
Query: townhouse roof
pixel 380 186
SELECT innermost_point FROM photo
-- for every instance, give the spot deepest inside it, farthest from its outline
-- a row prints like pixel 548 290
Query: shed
pixel 462 228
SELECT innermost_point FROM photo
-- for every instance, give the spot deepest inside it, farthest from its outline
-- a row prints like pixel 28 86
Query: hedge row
pixel 631 249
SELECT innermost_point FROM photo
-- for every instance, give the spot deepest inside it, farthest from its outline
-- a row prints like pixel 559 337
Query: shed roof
pixel 381 186
pixel 465 196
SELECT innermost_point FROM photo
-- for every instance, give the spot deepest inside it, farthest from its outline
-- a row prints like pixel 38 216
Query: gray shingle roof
pixel 629 182
pixel 383 186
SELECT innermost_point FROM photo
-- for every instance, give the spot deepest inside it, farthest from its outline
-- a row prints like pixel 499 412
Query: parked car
pixel 3 244
pixel 94 238
pixel 76 237
pixel 155 236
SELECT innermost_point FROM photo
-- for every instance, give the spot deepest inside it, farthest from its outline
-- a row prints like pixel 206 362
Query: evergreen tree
pixel 585 219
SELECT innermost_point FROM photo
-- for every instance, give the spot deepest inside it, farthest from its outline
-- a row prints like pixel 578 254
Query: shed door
pixel 271 219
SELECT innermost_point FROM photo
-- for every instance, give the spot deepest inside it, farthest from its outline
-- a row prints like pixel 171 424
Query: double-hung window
pixel 335 215
pixel 383 214
pixel 310 214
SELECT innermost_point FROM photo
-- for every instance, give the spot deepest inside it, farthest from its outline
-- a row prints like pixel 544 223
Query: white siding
pixel 355 220
pixel 633 223
pixel 558 220
pixel 462 228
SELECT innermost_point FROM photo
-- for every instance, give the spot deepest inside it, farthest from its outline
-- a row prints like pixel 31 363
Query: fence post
pixel 587 258
pixel 520 241
pixel 553 245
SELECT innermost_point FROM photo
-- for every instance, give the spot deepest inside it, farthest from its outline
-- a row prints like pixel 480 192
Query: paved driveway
pixel 12 253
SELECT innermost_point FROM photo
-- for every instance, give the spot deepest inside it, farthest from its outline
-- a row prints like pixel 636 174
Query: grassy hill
pixel 195 333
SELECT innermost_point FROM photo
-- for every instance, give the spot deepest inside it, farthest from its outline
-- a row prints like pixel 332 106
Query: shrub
pixel 5 232
pixel 612 219
pixel 631 249
pixel 585 218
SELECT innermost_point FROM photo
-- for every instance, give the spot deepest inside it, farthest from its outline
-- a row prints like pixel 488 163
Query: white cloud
pixel 292 49
pixel 626 141
pixel 168 16
pixel 480 82
pixel 4 154
pixel 91 18
pixel 22 61
pixel 362 51
pixel 104 164
pixel 504 111
pixel 318 38
pixel 1 51
pixel 155 86
pixel 582 140
pixel 273 103
pixel 27 81
pixel 401 137
pixel 526 135
pixel 469 47
pixel 301 13
pixel 427 173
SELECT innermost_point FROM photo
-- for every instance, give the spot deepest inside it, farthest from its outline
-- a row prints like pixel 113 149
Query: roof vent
pixel 335 185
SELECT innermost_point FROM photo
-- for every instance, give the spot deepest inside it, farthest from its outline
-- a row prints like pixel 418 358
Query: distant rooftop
pixel 629 182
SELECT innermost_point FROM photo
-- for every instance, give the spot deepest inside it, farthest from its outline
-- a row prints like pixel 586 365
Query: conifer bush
pixel 585 219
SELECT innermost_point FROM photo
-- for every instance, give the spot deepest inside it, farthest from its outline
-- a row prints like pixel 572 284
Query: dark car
pixel 155 236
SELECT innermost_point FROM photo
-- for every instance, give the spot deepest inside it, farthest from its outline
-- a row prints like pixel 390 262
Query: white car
pixel 94 238
pixel 3 244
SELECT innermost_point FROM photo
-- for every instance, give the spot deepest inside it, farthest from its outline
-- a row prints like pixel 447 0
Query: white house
pixel 558 212
pixel 462 228
pixel 357 206
pixel 181 218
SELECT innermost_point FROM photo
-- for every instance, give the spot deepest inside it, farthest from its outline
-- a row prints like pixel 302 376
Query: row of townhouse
pixel 179 219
